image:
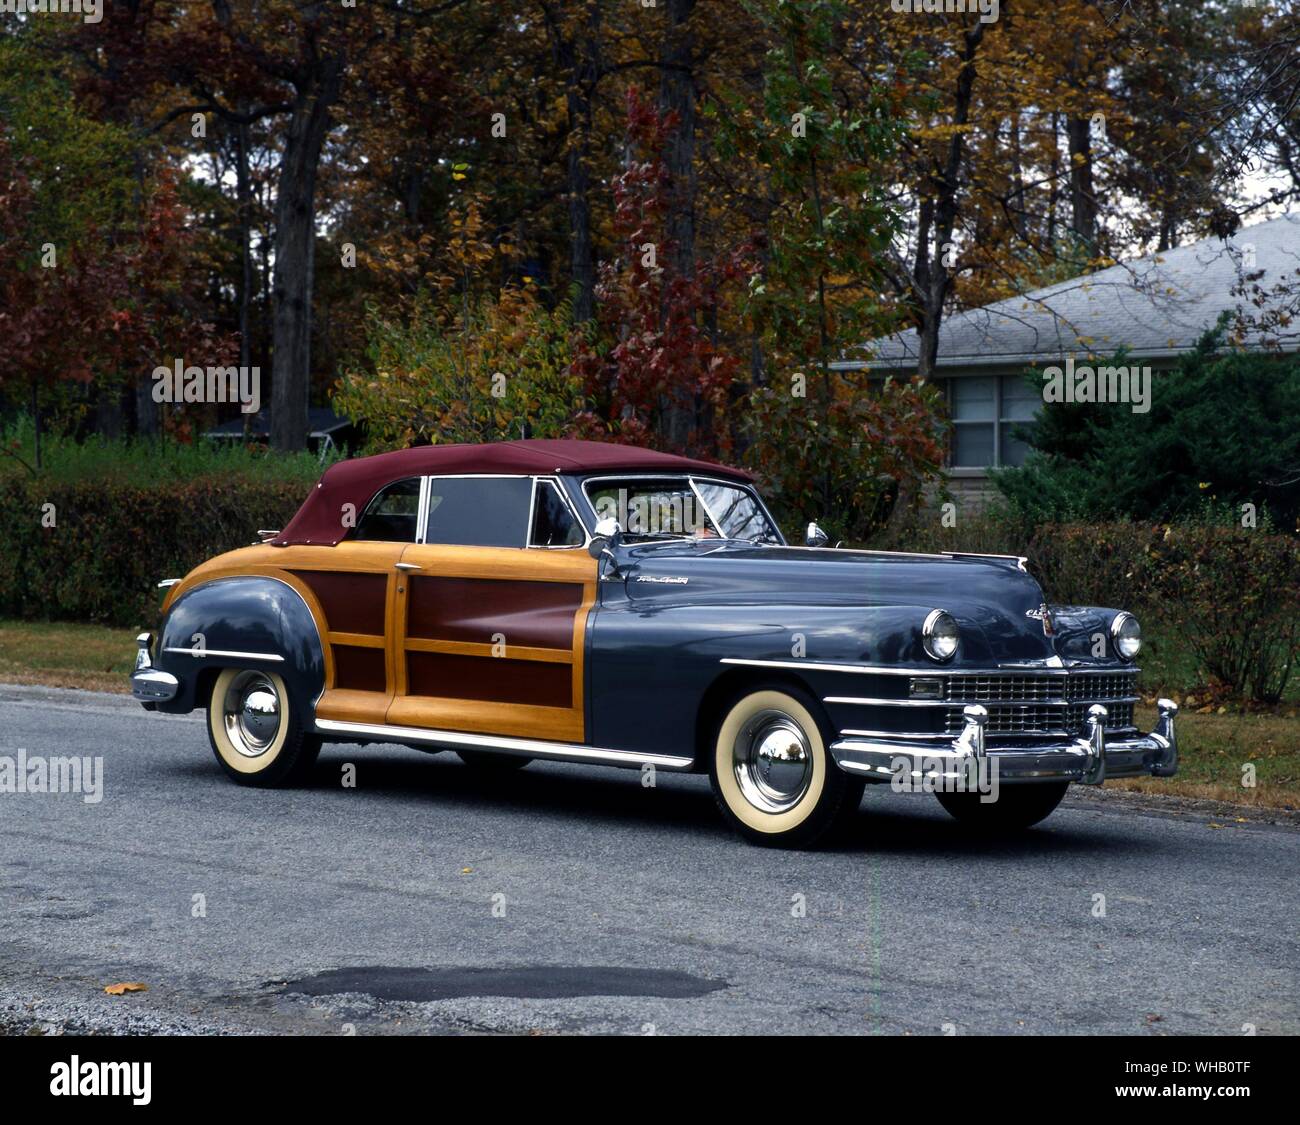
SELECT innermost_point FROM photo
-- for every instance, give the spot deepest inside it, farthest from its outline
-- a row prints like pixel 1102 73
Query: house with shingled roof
pixel 1154 307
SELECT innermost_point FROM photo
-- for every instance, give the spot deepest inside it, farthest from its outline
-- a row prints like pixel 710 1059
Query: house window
pixel 985 410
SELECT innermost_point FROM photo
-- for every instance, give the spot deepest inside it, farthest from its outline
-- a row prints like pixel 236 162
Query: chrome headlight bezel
pixel 939 627
pixel 1126 629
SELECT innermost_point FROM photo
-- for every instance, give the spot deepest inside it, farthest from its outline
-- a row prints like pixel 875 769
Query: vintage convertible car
pixel 586 602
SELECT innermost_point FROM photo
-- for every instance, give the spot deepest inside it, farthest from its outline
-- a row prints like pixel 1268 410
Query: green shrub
pixel 145 462
pixel 1221 424
pixel 112 540
pixel 1234 596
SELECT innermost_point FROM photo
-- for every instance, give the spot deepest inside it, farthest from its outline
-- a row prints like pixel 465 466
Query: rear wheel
pixel 772 775
pixel 257 734
pixel 1017 806
pixel 490 760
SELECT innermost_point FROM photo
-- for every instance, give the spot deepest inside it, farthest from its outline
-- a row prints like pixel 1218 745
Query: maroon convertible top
pixel 320 519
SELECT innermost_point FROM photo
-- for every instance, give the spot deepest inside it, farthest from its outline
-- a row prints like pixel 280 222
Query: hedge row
pixel 94 550
pixel 1230 596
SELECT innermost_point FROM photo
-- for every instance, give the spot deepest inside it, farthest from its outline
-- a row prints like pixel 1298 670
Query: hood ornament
pixel 1043 614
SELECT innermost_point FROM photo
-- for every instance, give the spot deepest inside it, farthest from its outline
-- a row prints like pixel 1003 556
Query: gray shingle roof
pixel 1155 306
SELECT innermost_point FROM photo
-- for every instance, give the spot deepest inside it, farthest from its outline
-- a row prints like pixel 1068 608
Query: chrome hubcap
pixel 251 713
pixel 772 761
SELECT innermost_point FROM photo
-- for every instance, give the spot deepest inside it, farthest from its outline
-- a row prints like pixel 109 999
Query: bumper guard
pixel 150 684
pixel 1089 758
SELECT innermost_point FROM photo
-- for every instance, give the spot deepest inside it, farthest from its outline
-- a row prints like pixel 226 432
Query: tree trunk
pixel 1019 219
pixel 677 97
pixel 579 63
pixel 1054 190
pixel 932 277
pixel 582 261
pixel 295 243
pixel 244 207
pixel 1083 203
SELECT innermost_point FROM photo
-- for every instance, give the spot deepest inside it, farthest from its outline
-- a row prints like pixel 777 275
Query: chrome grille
pixel 992 689
pixel 1031 703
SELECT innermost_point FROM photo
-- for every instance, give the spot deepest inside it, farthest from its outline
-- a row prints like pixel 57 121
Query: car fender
pixel 236 622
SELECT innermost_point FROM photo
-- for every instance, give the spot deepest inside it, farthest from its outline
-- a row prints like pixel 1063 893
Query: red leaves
pixel 659 379
pixel 110 307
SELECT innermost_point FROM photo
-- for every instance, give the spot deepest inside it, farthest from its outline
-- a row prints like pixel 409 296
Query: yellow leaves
pixel 125 986
pixel 943 132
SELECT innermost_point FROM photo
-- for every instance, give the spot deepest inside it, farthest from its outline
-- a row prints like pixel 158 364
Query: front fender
pixel 224 623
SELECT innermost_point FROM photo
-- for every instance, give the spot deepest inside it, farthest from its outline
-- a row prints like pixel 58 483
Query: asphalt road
pixel 572 899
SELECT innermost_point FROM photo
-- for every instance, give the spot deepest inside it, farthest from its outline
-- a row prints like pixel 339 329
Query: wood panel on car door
pixel 351 590
pixel 491 640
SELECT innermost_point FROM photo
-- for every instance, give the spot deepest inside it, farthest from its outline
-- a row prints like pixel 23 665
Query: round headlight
pixel 1126 634
pixel 940 635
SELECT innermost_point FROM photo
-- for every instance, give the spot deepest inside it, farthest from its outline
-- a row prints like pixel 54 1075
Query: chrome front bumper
pixel 1090 758
pixel 150 684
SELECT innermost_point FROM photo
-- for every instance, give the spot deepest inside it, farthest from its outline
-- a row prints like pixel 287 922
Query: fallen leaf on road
pixel 126 986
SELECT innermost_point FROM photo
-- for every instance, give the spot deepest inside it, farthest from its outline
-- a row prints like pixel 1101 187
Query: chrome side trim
pixel 864 701
pixel 528 747
pixel 224 653
pixel 930 670
pixel 892 734
pixel 815 666
pixel 869 702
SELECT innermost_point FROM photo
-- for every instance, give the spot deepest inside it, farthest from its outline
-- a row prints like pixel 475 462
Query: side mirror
pixel 608 536
pixel 815 536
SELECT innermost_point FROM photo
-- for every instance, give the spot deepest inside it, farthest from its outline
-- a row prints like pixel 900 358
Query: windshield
pixel 681 506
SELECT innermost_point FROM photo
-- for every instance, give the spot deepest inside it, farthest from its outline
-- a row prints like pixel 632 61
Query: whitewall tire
pixel 256 731
pixel 772 776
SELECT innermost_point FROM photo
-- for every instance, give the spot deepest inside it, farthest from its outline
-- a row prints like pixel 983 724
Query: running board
pixel 524 747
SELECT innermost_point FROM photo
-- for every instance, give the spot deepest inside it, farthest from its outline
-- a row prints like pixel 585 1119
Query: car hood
pixel 827 576
pixel 996 602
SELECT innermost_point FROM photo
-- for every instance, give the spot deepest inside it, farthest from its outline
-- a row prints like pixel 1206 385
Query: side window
pixel 554 525
pixel 392 516
pixel 479 511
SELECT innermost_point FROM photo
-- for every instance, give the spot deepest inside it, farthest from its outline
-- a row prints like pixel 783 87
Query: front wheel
pixel 772 776
pixel 257 734
pixel 1017 806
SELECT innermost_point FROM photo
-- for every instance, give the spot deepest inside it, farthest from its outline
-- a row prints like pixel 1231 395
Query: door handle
pixel 409 566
